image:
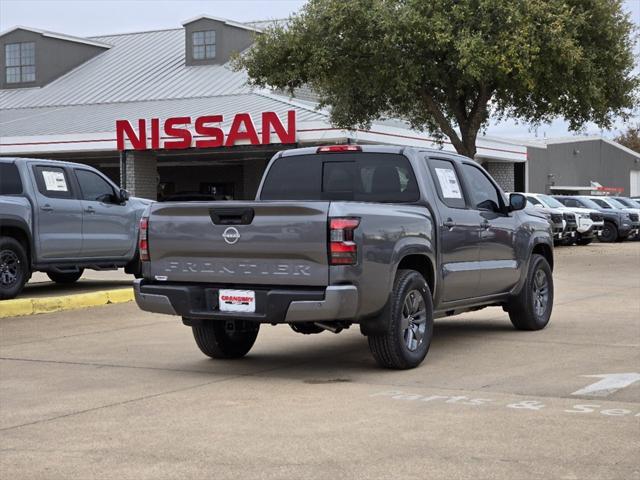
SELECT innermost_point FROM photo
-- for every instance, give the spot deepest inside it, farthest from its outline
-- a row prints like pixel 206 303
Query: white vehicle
pixel 554 216
pixel 589 223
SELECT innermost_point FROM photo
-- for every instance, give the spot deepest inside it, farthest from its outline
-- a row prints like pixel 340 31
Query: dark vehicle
pixel 189 197
pixel 388 238
pixel 60 218
pixel 617 223
pixel 554 216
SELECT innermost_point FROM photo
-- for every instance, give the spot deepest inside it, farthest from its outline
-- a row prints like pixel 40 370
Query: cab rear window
pixel 360 177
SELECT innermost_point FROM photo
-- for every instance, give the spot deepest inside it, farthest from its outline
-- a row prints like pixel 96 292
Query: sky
pixel 98 17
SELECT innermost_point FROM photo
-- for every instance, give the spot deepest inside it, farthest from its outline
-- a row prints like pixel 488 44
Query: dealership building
pixel 163 112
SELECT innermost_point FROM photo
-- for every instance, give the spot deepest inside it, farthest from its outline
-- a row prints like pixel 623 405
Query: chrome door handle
pixel 47 208
pixel 89 210
pixel 449 223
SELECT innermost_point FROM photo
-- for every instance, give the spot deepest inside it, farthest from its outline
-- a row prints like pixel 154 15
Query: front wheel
pixel 226 339
pixel 609 232
pixel 65 277
pixel 14 267
pixel 531 308
pixel 406 342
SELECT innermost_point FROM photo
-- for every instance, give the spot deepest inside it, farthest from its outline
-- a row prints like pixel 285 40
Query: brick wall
pixel 503 173
pixel 142 175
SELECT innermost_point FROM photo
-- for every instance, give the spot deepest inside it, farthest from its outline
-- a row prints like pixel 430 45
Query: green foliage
pixel 630 138
pixel 447 65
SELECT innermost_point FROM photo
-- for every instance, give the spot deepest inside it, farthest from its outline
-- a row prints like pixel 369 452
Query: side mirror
pixel 124 195
pixel 517 201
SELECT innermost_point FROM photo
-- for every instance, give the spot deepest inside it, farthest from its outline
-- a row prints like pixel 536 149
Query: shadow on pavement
pixel 333 360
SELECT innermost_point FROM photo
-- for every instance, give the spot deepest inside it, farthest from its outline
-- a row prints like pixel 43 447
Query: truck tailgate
pixel 253 243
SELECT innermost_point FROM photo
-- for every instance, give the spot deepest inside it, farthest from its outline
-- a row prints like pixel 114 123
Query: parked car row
pixel 581 219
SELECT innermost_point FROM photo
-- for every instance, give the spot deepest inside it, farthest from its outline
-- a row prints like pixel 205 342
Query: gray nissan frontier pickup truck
pixel 388 238
pixel 60 218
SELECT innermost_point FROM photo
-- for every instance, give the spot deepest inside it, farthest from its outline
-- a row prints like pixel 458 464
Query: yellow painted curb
pixel 29 306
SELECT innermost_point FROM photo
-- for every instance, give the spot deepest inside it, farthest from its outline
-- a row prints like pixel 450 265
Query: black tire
pixel 622 238
pixel 584 241
pixel 226 339
pixel 609 232
pixel 134 267
pixel 65 277
pixel 392 349
pixel 529 310
pixel 14 268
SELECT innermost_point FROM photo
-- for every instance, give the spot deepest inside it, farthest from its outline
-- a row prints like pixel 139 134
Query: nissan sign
pixel 201 132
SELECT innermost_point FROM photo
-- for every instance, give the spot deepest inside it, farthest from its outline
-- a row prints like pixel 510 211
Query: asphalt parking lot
pixel 112 392
pixel 91 281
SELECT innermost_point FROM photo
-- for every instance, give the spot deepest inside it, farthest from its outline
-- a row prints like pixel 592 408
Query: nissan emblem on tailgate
pixel 231 235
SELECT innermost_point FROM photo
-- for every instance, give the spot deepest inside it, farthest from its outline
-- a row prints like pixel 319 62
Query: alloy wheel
pixel 9 268
pixel 414 320
pixel 540 292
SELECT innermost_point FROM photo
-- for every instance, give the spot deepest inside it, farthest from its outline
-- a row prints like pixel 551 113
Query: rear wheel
pixel 406 342
pixel 65 277
pixel 609 232
pixel 226 339
pixel 531 308
pixel 14 267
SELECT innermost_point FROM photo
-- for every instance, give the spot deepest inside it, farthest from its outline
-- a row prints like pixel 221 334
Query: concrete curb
pixel 31 306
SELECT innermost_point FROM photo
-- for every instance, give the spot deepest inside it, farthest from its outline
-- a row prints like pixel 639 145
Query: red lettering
pixel 171 130
pixel 138 142
pixel 155 133
pixel 271 119
pixel 179 136
pixel 249 132
pixel 215 134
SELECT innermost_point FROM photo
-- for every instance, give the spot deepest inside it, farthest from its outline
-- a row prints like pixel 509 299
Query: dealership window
pixel 204 45
pixel 20 62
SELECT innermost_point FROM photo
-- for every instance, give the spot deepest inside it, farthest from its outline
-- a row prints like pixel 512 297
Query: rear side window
pixel 10 183
pixel 447 183
pixel 361 177
pixel 53 182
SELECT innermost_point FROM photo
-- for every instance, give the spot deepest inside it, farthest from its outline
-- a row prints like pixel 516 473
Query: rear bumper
pixel 273 305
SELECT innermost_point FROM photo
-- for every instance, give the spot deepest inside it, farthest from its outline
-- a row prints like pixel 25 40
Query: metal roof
pixel 60 36
pixel 231 23
pixel 139 66
pixel 143 75
pixel 101 118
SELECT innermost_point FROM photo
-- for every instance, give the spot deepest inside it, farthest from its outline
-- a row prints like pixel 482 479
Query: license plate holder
pixel 237 300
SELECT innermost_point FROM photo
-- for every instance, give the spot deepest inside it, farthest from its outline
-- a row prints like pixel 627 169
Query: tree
pixel 446 66
pixel 630 138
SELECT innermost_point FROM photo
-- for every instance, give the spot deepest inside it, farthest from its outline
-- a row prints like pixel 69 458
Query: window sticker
pixel 54 181
pixel 448 183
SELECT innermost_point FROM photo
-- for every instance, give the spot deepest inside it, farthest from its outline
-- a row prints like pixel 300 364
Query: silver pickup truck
pixel 60 218
pixel 385 237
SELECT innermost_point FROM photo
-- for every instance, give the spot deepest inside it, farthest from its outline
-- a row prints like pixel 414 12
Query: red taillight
pixel 143 243
pixel 339 148
pixel 343 250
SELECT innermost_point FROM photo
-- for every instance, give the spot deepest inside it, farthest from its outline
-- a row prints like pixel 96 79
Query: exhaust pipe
pixel 329 327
